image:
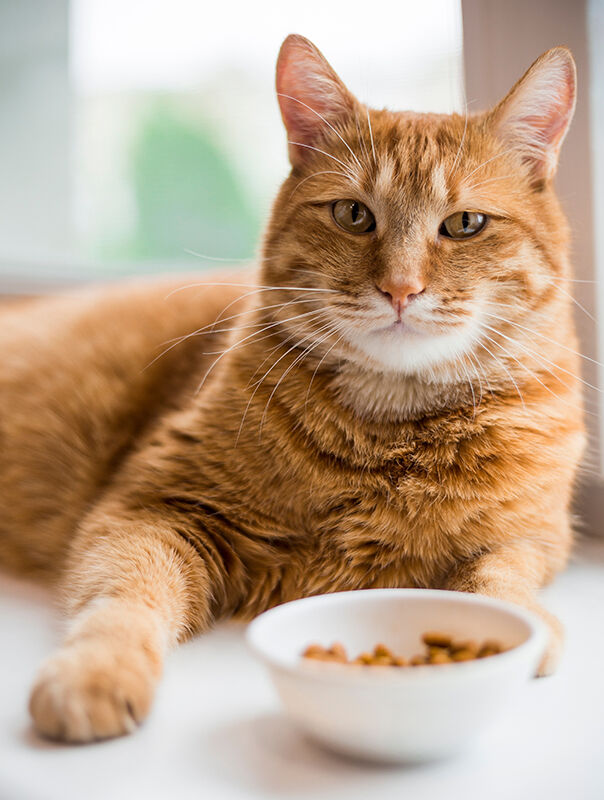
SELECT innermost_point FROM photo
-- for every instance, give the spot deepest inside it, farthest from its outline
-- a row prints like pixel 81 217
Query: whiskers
pixel 501 154
pixel 533 364
pixel 503 366
pixel 250 337
pixel 460 148
pixel 316 175
pixel 349 173
pixel 353 170
pixel 542 336
pixel 211 328
pixel 371 136
pixel 330 328
pixel 316 338
pixel 554 283
pixel 329 125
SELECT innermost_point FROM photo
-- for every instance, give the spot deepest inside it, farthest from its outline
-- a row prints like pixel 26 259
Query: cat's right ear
pixel 311 96
pixel 534 117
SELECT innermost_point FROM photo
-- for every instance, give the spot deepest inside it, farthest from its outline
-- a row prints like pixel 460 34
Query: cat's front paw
pixel 89 690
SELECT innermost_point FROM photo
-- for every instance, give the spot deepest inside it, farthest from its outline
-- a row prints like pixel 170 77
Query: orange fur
pixel 312 460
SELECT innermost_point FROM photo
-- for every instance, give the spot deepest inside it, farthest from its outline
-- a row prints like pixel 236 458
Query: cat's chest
pixel 418 499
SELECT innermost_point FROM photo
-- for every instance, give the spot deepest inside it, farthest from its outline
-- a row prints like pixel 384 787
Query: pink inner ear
pixel 552 126
pixel 536 114
pixel 310 94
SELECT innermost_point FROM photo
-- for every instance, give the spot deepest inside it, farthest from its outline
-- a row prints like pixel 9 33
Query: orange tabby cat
pixel 395 405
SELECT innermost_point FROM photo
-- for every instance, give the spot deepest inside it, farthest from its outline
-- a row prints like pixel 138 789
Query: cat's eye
pixel 463 225
pixel 353 216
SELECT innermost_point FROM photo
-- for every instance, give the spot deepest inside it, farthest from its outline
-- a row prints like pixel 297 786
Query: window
pixel 136 132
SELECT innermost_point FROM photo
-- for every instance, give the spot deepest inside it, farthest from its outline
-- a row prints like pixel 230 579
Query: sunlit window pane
pixel 167 136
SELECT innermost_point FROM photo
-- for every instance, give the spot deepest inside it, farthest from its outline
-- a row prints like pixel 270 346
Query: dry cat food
pixel 440 648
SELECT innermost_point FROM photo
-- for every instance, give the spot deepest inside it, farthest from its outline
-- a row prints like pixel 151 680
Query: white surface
pixel 216 730
pixel 400 715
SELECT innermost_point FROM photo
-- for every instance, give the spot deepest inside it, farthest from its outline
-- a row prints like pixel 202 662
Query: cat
pixel 392 401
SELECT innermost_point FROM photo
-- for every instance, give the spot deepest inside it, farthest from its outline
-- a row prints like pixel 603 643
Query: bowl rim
pixel 337 673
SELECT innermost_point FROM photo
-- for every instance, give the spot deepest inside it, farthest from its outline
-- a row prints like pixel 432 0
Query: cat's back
pixel 83 375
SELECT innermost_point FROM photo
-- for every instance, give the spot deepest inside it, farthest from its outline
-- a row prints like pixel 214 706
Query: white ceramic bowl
pixel 389 714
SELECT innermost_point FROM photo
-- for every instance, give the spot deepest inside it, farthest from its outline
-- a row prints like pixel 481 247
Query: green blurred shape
pixel 187 194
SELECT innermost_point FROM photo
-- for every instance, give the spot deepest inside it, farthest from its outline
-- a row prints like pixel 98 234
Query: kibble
pixel 436 639
pixel 440 648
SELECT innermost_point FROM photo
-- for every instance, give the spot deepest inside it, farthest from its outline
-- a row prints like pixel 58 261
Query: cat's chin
pixel 406 349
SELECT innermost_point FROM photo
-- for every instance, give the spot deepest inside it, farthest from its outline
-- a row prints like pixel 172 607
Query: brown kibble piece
pixel 490 648
pixel 314 651
pixel 436 639
pixel 320 657
pixel 440 656
pixel 440 649
pixel 470 645
pixel 463 655
pixel 338 651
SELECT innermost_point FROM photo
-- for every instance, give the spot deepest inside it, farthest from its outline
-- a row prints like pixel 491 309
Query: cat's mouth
pixel 413 346
pixel 401 327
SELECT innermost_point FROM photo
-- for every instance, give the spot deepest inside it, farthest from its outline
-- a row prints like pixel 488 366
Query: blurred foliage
pixel 186 192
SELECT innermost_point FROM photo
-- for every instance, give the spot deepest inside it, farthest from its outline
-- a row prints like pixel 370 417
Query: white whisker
pixel 299 358
pixel 488 161
pixel 458 154
pixel 545 338
pixel 371 135
pixel 242 341
pixel 532 374
pixel 498 361
pixel 314 175
pixel 542 359
pixel 260 382
pixel 329 125
pixel 478 366
pixel 211 327
pixel 293 347
pixel 255 287
pixel 318 150
pixel 217 258
pixel 364 152
pixel 337 341
pixel 489 180
pixel 460 360
pixel 574 300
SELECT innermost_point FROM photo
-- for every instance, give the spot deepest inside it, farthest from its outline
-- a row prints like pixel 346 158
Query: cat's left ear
pixel 535 115
pixel 311 96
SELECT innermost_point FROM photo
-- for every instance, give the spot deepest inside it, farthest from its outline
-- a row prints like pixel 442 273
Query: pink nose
pixel 400 293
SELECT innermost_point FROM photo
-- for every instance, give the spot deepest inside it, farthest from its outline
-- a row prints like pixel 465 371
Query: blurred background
pixel 142 136
pixel 133 131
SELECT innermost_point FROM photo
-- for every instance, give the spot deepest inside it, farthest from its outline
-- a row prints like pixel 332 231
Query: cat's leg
pixel 515 573
pixel 134 590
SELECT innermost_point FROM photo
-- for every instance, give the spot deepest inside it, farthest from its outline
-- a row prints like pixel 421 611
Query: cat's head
pixel 416 232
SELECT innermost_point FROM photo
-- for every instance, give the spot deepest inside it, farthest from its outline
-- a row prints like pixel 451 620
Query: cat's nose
pixel 400 293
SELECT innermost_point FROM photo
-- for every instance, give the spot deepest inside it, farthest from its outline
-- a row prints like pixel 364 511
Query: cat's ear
pixel 311 96
pixel 535 115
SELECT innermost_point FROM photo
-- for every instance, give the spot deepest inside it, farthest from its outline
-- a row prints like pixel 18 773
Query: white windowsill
pixel 216 729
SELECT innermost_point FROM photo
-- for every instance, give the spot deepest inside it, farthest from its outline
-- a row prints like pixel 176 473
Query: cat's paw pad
pixel 86 692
